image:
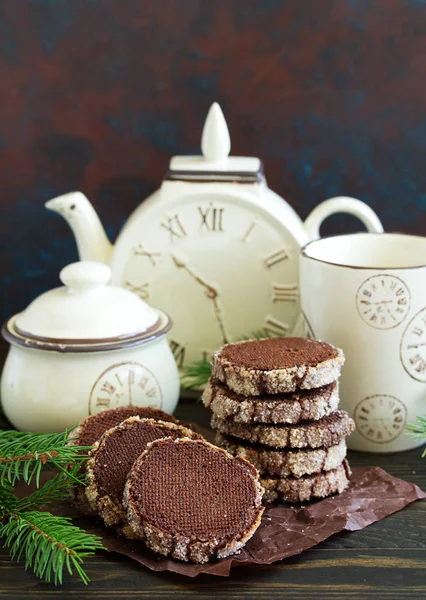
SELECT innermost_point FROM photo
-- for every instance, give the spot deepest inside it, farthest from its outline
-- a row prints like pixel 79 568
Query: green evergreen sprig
pixel 23 455
pixel 51 545
pixel 196 375
pixel 418 430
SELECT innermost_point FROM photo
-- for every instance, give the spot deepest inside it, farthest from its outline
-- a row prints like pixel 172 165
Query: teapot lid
pixel 215 164
pixel 86 312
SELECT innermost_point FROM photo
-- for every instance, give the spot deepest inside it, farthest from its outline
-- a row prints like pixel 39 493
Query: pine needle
pixel 49 544
pixel 418 430
pixel 8 500
pixel 23 455
pixel 256 335
pixel 196 375
pixel 54 490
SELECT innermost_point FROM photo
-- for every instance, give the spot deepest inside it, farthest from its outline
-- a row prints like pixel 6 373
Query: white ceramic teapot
pixel 83 348
pixel 214 247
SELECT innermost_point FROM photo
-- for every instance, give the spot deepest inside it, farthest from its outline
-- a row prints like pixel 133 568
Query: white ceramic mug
pixel 366 293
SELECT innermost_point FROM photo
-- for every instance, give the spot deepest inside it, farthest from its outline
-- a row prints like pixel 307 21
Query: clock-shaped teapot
pixel 214 247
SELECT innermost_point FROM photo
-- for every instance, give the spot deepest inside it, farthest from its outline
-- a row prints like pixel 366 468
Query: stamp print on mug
pixel 383 301
pixel 125 384
pixel 413 347
pixel 380 418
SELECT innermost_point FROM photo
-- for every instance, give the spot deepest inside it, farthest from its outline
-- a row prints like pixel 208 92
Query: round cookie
pixel 93 427
pixel 307 488
pixel 324 433
pixel 301 405
pixel 276 365
pixel 190 500
pixel 112 458
pixel 285 463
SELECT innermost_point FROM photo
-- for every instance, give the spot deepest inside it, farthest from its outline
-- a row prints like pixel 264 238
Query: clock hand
pixel 211 293
pixel 218 313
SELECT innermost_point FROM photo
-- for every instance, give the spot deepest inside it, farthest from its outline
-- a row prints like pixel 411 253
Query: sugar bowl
pixel 82 348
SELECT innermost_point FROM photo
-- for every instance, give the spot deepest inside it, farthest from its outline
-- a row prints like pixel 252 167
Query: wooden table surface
pixel 385 560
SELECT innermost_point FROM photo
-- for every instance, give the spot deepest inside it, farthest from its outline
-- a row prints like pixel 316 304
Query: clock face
pixel 413 347
pixel 125 384
pixel 221 267
pixel 380 418
pixel 383 301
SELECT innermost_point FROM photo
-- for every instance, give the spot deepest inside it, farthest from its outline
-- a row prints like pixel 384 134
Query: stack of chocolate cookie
pixel 160 482
pixel 274 403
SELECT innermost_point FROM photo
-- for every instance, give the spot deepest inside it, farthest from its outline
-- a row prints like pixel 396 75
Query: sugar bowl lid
pixel 86 314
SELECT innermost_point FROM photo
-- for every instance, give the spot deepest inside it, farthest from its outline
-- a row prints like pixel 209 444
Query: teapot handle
pixel 341 204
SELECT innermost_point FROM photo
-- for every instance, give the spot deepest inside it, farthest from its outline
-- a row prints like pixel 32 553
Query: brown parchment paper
pixel 373 494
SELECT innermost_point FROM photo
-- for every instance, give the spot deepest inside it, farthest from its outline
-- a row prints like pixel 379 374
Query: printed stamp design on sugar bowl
pixel 380 418
pixel 413 347
pixel 125 384
pixel 383 301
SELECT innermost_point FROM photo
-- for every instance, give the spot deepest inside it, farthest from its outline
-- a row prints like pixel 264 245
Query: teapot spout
pixel 90 236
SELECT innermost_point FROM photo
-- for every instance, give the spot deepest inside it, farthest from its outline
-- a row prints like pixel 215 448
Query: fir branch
pixel 196 375
pixel 256 335
pixel 54 490
pixel 8 500
pixel 23 455
pixel 418 430
pixel 49 544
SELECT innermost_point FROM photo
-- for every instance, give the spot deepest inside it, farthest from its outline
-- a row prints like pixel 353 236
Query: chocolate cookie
pixel 276 365
pixel 93 427
pixel 190 500
pixel 284 463
pixel 306 488
pixel 112 458
pixel 324 433
pixel 301 405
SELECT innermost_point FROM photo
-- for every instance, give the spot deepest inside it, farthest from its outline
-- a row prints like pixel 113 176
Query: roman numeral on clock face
pixel 211 218
pixel 273 327
pixel 418 363
pixel 108 388
pixel 174 226
pixel 103 402
pixel 276 258
pixel 131 377
pixel 248 231
pixel 141 289
pixel 139 250
pixel 283 292
pixel 178 352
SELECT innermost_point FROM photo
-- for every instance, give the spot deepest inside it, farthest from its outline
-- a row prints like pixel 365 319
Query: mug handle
pixel 341 204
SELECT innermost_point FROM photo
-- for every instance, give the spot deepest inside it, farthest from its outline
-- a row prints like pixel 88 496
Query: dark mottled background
pixel 97 94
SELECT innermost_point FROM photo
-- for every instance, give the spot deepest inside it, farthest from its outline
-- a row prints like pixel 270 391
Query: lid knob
pixel 85 275
pixel 215 141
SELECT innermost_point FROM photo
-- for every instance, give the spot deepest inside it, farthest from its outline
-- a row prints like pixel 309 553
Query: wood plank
pixel 386 560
